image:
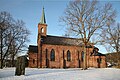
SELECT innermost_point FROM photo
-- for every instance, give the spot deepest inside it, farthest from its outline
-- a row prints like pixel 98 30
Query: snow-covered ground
pixel 62 74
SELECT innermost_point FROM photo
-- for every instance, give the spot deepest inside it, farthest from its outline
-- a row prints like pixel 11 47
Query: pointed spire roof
pixel 42 20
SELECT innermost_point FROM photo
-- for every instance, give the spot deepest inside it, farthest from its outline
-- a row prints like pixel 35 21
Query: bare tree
pixel 111 38
pixel 5 23
pixel 13 36
pixel 19 41
pixel 85 19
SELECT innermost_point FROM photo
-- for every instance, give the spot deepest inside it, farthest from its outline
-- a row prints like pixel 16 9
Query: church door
pixel 47 63
pixel 64 63
pixel 47 60
pixel 99 61
pixel 79 64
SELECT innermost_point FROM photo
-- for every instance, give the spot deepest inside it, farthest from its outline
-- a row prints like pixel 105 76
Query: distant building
pixel 61 52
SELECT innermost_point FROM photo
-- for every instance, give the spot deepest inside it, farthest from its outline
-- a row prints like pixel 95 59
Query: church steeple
pixel 42 26
pixel 42 20
pixel 42 32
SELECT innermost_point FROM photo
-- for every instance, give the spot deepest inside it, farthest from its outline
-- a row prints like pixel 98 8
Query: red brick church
pixel 61 52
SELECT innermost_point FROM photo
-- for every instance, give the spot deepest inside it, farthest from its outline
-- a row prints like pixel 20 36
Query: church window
pixel 82 56
pixel 42 30
pixel 68 56
pixel 52 55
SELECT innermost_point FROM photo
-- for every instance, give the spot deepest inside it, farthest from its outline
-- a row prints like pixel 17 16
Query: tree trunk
pixel 1 65
pixel 12 61
pixel 1 46
pixel 84 60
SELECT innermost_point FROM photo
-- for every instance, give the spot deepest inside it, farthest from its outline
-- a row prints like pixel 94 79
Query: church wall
pixel 58 63
pixel 103 62
pixel 94 63
pixel 32 59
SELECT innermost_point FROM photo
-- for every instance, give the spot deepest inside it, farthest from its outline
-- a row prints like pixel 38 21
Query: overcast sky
pixel 30 12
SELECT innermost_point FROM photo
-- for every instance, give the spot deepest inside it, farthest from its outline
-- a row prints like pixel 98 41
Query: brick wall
pixel 94 63
pixel 32 56
pixel 59 61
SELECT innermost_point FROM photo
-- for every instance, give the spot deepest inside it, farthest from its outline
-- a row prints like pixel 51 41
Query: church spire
pixel 42 20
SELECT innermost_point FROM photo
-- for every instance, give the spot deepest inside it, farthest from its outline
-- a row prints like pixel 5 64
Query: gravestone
pixel 20 66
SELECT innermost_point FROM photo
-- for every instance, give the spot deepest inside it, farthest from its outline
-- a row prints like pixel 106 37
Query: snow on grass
pixel 62 74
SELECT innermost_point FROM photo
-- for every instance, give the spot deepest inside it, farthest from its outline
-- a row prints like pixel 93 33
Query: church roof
pixel 99 54
pixel 57 40
pixel 96 53
pixel 42 20
pixel 33 49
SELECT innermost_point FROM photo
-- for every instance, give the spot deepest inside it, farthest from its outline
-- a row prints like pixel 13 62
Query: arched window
pixel 52 55
pixel 82 55
pixel 68 56
pixel 42 30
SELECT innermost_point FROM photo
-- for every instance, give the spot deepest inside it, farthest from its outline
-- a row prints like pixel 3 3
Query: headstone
pixel 20 66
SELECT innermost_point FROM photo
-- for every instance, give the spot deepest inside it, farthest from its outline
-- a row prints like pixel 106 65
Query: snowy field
pixel 62 74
